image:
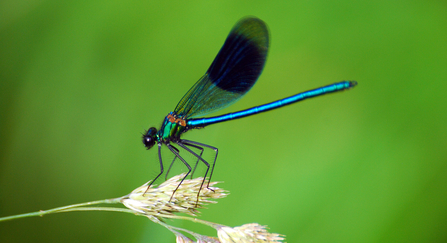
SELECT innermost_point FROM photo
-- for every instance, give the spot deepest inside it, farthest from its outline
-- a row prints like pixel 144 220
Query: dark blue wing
pixel 233 72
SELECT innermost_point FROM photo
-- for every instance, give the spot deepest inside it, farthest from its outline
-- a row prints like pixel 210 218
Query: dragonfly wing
pixel 233 72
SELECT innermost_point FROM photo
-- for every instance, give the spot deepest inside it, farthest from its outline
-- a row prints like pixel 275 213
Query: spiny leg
pixel 161 168
pixel 174 151
pixel 195 166
pixel 200 158
pixel 207 146
pixel 167 172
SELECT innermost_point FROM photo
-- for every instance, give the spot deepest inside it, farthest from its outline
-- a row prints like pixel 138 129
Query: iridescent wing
pixel 233 72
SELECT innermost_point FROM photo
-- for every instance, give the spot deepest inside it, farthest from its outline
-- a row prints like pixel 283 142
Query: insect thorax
pixel 173 126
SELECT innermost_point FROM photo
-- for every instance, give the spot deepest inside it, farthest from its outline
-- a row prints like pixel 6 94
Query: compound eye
pixel 149 138
pixel 148 142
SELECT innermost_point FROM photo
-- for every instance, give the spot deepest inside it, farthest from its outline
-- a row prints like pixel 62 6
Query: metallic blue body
pixel 231 75
pixel 201 122
pixel 171 129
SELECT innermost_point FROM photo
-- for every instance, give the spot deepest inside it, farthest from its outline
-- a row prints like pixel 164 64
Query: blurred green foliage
pixel 80 80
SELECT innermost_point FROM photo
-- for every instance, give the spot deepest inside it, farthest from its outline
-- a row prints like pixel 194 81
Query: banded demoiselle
pixel 233 72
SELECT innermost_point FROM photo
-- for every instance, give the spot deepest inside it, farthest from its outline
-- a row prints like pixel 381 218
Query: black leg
pixel 161 168
pixel 167 172
pixel 207 146
pixel 198 159
pixel 174 151
pixel 195 166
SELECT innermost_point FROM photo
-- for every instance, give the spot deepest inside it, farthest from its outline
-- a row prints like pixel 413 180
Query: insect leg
pixel 174 151
pixel 161 168
pixel 207 146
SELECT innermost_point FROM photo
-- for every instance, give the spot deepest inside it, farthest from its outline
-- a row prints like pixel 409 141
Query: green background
pixel 81 80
